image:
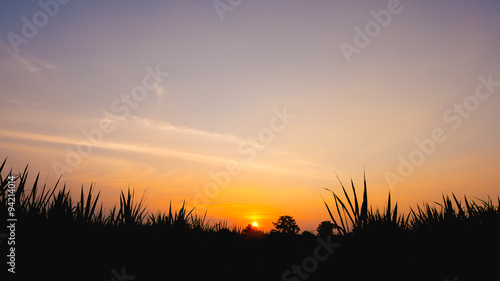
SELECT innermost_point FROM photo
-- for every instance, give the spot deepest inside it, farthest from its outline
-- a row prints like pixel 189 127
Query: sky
pixel 249 109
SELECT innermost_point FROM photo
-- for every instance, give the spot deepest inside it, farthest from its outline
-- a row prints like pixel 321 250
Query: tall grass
pixel 49 203
pixel 358 218
pixel 469 214
pixel 350 217
pixel 182 219
pixel 352 213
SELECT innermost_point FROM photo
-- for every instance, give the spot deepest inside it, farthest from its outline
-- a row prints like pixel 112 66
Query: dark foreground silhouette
pixel 57 238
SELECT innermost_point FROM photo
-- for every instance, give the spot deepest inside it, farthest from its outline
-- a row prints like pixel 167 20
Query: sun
pixel 255 224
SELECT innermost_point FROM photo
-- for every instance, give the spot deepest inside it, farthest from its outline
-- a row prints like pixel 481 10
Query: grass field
pixel 58 238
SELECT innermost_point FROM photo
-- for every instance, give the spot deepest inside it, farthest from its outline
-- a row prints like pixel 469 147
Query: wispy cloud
pixel 28 63
pixel 158 125
pixel 169 141
pixel 37 138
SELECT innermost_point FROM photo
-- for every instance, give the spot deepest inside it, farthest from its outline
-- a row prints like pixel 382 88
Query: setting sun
pixel 255 224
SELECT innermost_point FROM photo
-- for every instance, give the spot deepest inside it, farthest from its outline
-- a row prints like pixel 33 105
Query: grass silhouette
pixel 352 218
pixel 58 236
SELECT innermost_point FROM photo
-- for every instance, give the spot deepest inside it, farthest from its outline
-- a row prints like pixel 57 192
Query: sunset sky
pixel 247 109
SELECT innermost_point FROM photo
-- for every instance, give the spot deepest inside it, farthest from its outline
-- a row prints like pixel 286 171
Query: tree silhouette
pixel 325 228
pixel 286 224
pixel 251 232
pixel 250 228
pixel 307 234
